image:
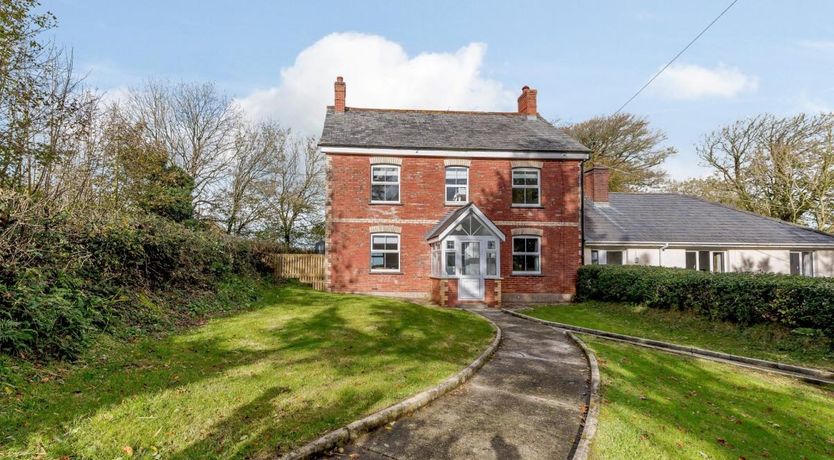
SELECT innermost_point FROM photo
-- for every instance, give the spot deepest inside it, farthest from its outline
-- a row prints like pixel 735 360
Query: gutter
pixel 582 212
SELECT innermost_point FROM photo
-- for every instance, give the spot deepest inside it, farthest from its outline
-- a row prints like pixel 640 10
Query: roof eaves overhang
pixel 452 153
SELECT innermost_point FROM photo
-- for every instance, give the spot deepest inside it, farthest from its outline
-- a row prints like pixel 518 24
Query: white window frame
pixel 446 186
pixel 801 263
pixel 623 256
pixel 538 253
pixel 398 251
pixel 538 187
pixel 698 252
pixel 398 168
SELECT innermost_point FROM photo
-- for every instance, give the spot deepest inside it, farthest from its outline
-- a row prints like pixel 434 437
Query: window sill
pixel 526 274
pixel 385 272
pixel 455 204
pixel 450 277
pixel 528 206
pixel 385 203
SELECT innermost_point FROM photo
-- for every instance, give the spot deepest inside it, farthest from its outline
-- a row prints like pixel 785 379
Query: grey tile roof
pixel 674 218
pixel 423 129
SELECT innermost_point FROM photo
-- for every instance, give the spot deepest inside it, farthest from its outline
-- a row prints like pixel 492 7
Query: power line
pixel 676 56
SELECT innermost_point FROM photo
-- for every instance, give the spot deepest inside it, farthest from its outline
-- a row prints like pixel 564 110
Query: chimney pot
pixel 340 89
pixel 527 102
pixel 596 184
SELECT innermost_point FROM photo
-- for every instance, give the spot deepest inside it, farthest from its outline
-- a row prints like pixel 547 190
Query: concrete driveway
pixel 526 402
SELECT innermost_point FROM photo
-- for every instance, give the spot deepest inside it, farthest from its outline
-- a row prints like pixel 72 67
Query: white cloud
pixel 818 45
pixel 689 81
pixel 378 73
pixel 116 95
pixel 807 103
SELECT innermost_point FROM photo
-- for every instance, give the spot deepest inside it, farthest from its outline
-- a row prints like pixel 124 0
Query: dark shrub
pixel 795 301
pixel 64 277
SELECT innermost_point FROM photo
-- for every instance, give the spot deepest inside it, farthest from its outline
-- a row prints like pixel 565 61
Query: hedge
pixel 744 298
pixel 65 277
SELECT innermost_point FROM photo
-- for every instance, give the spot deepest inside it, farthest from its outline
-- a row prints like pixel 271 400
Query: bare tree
pixel 297 192
pixel 245 200
pixel 626 144
pixel 196 124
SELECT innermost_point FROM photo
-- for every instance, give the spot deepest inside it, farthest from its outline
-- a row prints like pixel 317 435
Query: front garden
pixel 665 406
pixel 297 364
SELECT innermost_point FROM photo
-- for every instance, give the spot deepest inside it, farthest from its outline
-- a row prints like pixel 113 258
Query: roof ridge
pixel 429 111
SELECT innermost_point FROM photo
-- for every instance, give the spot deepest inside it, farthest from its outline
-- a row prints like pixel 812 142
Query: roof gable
pixel 449 222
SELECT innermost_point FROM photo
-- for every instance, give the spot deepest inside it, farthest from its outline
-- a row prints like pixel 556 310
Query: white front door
pixel 471 283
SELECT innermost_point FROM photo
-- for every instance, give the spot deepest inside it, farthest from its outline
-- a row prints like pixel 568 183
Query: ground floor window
pixel 526 255
pixel 601 257
pixel 802 263
pixel 385 252
pixel 706 261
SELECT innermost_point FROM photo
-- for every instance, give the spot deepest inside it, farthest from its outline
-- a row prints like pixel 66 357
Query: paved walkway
pixel 524 403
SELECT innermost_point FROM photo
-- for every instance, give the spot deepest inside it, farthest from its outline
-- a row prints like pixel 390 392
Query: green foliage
pixel 297 364
pixel 794 301
pixel 66 276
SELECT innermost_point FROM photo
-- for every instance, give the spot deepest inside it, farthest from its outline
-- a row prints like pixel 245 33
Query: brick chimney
pixel 341 91
pixel 527 102
pixel 596 184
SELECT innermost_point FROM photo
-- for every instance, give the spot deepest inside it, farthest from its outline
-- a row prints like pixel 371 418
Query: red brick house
pixel 452 206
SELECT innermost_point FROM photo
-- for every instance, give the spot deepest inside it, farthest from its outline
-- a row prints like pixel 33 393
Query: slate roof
pixel 674 218
pixel 430 130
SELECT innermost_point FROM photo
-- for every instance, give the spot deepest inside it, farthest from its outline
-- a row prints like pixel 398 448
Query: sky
pixel 586 58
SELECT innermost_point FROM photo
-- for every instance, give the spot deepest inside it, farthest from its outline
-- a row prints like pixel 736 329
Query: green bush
pixel 66 276
pixel 744 298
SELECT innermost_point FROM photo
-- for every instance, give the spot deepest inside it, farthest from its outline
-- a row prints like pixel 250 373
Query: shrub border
pixel 810 375
pixel 589 423
pixel 351 431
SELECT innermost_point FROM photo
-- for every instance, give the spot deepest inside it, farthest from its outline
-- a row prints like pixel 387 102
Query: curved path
pixel 526 402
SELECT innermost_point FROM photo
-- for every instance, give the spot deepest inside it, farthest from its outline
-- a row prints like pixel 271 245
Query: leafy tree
pixel 143 175
pixel 781 167
pixel 627 145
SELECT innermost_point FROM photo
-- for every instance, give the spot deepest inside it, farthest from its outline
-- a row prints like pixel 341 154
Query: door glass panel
pixel 703 261
pixel 807 264
pixel 718 262
pixel 491 263
pixel 471 258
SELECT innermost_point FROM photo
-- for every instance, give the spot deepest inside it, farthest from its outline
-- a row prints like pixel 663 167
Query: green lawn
pixel 663 406
pixel 250 385
pixel 764 341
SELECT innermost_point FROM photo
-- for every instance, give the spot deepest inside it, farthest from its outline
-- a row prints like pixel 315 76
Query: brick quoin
pixel 422 189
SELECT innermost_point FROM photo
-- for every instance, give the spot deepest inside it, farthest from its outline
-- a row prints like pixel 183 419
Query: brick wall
pixel 350 217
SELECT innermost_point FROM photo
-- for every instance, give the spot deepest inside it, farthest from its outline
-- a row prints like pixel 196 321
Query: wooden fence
pixel 306 268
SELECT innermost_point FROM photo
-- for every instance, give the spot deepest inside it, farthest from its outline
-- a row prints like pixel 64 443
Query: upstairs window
pixel 526 255
pixel 385 252
pixel 526 186
pixel 457 184
pixel 385 184
pixel 802 263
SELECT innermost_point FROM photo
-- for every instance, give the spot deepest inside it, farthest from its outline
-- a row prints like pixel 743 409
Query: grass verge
pixel 250 385
pixel 765 341
pixel 664 406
